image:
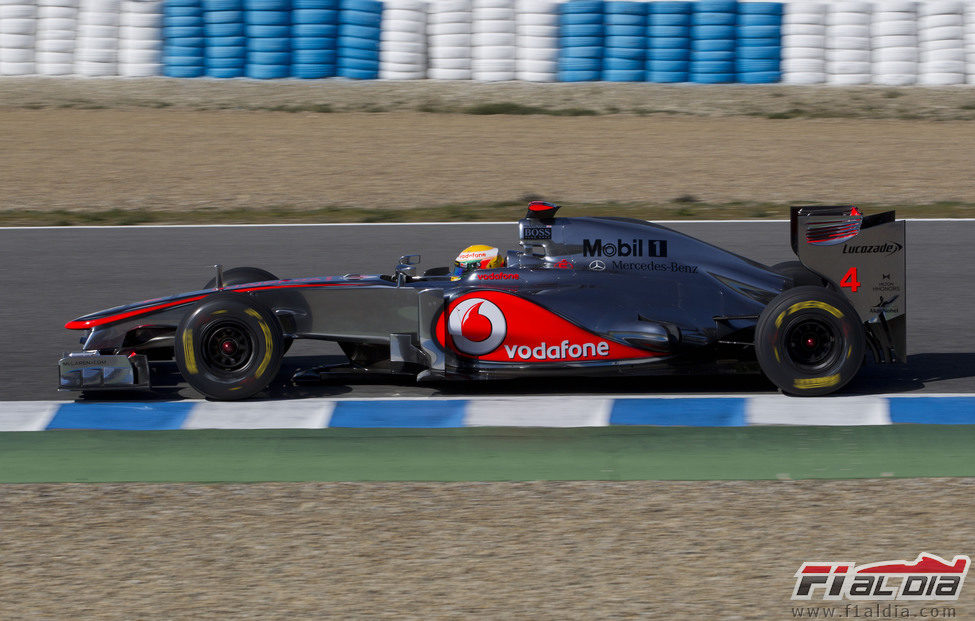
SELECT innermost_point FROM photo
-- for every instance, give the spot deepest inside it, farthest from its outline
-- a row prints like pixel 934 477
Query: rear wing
pixel 865 259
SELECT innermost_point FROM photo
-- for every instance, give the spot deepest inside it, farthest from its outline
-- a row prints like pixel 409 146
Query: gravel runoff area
pixel 707 550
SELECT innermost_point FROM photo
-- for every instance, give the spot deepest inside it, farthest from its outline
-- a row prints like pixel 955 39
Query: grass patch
pixel 967 106
pixel 521 109
pixel 682 208
pixel 893 94
pixel 788 114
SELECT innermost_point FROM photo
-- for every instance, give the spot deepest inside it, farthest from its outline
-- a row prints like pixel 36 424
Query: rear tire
pixel 229 347
pixel 809 341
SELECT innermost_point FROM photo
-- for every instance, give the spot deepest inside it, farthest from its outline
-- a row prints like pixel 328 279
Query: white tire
pixel 493 4
pixel 537 53
pixel 394 15
pixel 543 7
pixel 18 26
pixel 848 19
pixel 451 40
pixel 941 44
pixel 942 33
pixel 53 58
pixel 98 19
pixel 538 66
pixel 87 31
pixel 895 41
pixel 403 58
pixel 844 30
pixel 141 20
pixel 418 6
pixel 893 28
pixel 940 79
pixel 492 52
pixel 895 79
pixel 449 29
pixel 16 40
pixel 531 76
pixel 57 12
pixel 537 19
pixel 18 11
pixel 799 30
pixel 851 6
pixel 95 70
pixel 437 19
pixel 57 24
pixel 492 14
pixel 848 68
pixel 137 70
pixel 940 21
pixel 894 67
pixel 139 57
pixel 409 47
pixel 806 40
pixel 848 79
pixel 451 63
pixel 449 52
pixel 848 43
pixel 942 66
pixel 12 68
pixel 493 65
pixel 895 54
pixel 56 46
pixel 895 6
pixel 940 7
pixel 538 31
pixel 812 77
pixel 951 54
pixel 142 6
pixel 494 27
pixel 493 38
pixel 803 7
pixel 811 53
pixel 16 55
pixel 66 68
pixel 803 65
pixel 96 56
pixel 493 76
pixel 435 73
pixel 848 56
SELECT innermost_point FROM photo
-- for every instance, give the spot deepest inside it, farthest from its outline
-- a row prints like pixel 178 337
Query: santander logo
pixel 477 326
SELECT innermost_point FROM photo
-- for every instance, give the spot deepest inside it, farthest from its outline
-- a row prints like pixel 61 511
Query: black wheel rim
pixel 227 346
pixel 812 344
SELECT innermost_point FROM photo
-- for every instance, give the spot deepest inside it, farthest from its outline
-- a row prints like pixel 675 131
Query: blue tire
pixel 367 46
pixel 635 42
pixel 676 66
pixel 756 66
pixel 766 42
pixel 769 52
pixel 581 6
pixel 315 4
pixel 181 3
pixel 223 17
pixel 269 44
pixel 624 19
pixel 714 32
pixel 623 64
pixel 189 21
pixel 314 16
pixel 267 5
pixel 369 6
pixel 617 7
pixel 183 71
pixel 713 45
pixel 268 72
pixel 581 52
pixel 175 9
pixel 712 78
pixel 580 64
pixel 760 77
pixel 226 42
pixel 580 19
pixel 669 19
pixel 759 20
pixel 579 76
pixel 359 54
pixel 361 18
pixel 314 57
pixel 669 6
pixel 759 32
pixel 357 64
pixel 716 6
pixel 626 31
pixel 225 63
pixel 357 74
pixel 712 66
pixel 360 32
pixel 760 8
pixel 669 31
pixel 714 19
pixel 179 51
pixel 713 56
pixel 622 75
pixel 258 30
pixel 183 32
pixel 667 77
pixel 625 53
pixel 239 52
pixel 313 72
pixel 225 30
pixel 314 43
pixel 219 6
pixel 268 18
pixel 669 43
pixel 315 30
pixel 216 72
pixel 268 58
pixel 670 55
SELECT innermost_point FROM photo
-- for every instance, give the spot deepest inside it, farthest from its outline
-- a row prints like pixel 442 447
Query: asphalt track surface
pixel 50 276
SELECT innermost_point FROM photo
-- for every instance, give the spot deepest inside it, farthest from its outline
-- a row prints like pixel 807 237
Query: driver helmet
pixel 476 257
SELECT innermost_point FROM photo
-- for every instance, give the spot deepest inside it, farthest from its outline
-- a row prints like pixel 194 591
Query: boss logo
pixel 536 232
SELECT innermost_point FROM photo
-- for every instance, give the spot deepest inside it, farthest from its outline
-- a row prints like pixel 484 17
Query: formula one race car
pixel 583 296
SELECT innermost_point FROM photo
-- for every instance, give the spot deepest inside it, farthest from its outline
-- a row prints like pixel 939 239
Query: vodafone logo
pixel 477 326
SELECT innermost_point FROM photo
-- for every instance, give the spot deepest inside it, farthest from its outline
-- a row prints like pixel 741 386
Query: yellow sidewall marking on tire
pixel 798 306
pixel 188 355
pixel 269 347
pixel 817 382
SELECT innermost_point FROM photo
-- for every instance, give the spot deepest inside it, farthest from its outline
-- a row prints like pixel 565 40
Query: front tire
pixel 229 347
pixel 809 341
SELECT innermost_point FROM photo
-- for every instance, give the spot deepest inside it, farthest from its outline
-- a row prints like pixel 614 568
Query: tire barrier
pixel 804 43
pixel 669 41
pixel 57 25
pixel 358 43
pixel 581 41
pixel 403 42
pixel 894 42
pixel 314 38
pixel 625 45
pixel 843 42
pixel 713 41
pixel 267 27
pixel 536 40
pixel 18 29
pixel 140 38
pixel 493 43
pixel 941 42
pixel 759 47
pixel 848 43
pixel 96 48
pixel 225 55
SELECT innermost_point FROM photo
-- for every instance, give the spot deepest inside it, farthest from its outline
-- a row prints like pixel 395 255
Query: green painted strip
pixel 489 454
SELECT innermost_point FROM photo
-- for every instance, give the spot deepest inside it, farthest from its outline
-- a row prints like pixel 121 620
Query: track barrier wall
pixel 843 42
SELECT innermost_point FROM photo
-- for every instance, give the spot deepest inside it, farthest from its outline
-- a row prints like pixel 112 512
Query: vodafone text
pixel 558 352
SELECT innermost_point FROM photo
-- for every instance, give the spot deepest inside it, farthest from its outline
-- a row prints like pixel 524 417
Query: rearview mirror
pixel 410 259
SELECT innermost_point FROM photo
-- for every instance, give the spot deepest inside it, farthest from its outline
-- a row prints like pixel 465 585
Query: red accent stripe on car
pixel 91 323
